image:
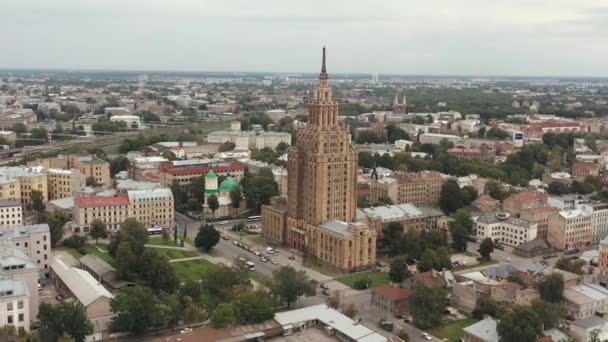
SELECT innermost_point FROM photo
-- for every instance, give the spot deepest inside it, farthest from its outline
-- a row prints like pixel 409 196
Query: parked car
pixel 324 286
pixel 426 336
pixel 185 330
pixel 274 261
pixel 325 292
pixel 291 257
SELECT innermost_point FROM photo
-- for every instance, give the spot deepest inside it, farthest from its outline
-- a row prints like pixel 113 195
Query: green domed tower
pixel 226 186
pixel 211 184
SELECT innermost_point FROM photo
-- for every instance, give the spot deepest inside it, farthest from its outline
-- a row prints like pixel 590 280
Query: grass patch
pixel 192 269
pixel 260 278
pixel 71 251
pixel 100 251
pixel 172 254
pixel 159 241
pixel 453 331
pixel 481 264
pixel 377 278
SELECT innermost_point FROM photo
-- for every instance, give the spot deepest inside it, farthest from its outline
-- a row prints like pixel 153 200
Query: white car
pixel 262 259
pixel 426 336
pixel 274 262
pixel 508 259
pixel 224 222
pixel 185 330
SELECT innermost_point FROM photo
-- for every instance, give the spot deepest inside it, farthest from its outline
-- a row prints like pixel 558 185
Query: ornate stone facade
pixel 322 187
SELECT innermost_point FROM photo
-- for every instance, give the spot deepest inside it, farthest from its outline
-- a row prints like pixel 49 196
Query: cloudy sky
pixel 465 37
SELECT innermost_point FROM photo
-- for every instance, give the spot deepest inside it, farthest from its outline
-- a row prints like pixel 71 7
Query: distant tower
pixel 400 108
pixel 211 187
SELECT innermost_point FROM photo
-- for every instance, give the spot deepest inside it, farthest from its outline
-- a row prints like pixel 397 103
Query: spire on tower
pixel 396 102
pixel 323 74
pixel 404 99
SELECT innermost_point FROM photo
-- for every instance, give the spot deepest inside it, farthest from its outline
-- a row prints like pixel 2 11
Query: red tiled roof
pixel 204 169
pixel 391 292
pixel 511 286
pixel 92 201
pixel 430 279
pixel 530 196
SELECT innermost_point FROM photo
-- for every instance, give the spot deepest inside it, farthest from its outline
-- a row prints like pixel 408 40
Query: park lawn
pixel 377 278
pixel 174 253
pixel 71 251
pixel 191 269
pixel 159 241
pixel 453 331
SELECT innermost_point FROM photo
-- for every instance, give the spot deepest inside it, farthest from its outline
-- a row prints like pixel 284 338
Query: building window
pixel 20 317
pixel 9 319
pixel 9 306
pixel 20 304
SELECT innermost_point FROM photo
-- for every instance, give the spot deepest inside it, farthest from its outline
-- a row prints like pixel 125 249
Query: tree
pixel 207 237
pixel 550 314
pixel 428 261
pixel 37 200
pixel 351 310
pixel 363 283
pixel 220 279
pixel 288 284
pixel 496 191
pixel 486 247
pixel 137 309
pixel 213 204
pixel 92 181
pixel 236 196
pixel 551 287
pixel 451 197
pixel 459 238
pixel 132 231
pixel 427 305
pixel 253 307
pixel 56 220
pixel 572 266
pixel 226 146
pixel 223 315
pixel 157 272
pixel 63 318
pixel 119 163
pixel 520 324
pixel 485 306
pixel 398 271
pixel 98 230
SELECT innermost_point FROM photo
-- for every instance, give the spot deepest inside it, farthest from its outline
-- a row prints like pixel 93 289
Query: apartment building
pixel 112 211
pixel 35 240
pixel 11 214
pixel 501 227
pixel 570 229
pixel 17 265
pixel 29 179
pixel 153 208
pixel 483 153
pixel 515 204
pixel 580 170
pixel 64 183
pixel 88 165
pixel 418 188
pixel 602 259
pixel 14 304
pixel 10 188
pixel 540 216
pixel 599 220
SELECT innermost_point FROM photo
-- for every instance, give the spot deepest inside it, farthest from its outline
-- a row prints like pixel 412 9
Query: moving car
pixel 426 336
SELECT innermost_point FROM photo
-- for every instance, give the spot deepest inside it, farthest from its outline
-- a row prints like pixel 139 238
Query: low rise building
pixel 11 213
pixel 112 211
pixel 599 220
pixel 80 285
pixel 570 229
pixel 392 299
pixel 184 171
pixel 483 153
pixel 408 215
pixel 585 300
pixel 436 138
pixel 503 228
pixel 581 170
pixel 513 294
pixel 131 121
pixel 482 331
pixel 10 188
pixel 583 329
pixel 14 304
pixel 250 139
pixel 421 188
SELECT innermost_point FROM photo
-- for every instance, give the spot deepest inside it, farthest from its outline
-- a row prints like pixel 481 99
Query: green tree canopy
pixel 288 284
pixel 551 287
pixel 520 324
pixel 427 305
pixel 63 318
pixel 207 237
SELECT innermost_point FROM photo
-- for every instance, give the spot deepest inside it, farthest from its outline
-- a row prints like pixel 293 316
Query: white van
pixel 269 250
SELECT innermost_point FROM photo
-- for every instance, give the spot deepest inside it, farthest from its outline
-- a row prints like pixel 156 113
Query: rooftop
pixel 80 283
pixel 391 292
pixel 339 227
pixel 331 318
pixel 485 330
pixel 94 201
pixel 9 203
pixel 390 212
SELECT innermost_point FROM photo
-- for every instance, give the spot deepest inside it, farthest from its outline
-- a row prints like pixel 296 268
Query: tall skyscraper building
pixel 319 217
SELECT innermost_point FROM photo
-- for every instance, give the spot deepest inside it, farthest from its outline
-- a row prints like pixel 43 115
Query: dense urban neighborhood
pixel 298 207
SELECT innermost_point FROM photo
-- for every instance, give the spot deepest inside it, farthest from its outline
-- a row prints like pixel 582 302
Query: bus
pixel 155 231
pixel 254 218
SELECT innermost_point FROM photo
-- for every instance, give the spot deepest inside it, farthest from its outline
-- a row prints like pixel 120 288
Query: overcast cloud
pixel 467 37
